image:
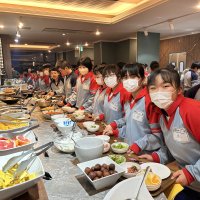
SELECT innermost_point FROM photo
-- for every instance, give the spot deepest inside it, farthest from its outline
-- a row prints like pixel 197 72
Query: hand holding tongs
pixel 24 164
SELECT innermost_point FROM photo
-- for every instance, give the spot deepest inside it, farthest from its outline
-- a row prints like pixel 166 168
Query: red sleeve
pixel 93 86
pixel 124 97
pixel 135 148
pixel 116 132
pixel 155 157
pixel 82 108
pixel 189 110
pixel 101 116
pixel 188 176
pixel 113 125
pixel 46 79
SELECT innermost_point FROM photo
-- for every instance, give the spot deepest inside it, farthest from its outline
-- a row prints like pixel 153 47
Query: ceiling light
pixel 49 51
pixel 58 45
pixel 63 34
pixel 198 6
pixel 67 43
pixel 171 25
pixel 146 33
pixel 1 26
pixel 77 47
pixel 16 40
pixel 86 44
pixel 20 25
pixel 26 44
pixel 97 32
pixel 18 34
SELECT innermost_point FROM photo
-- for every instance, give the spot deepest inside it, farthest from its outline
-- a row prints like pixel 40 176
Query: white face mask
pixel 83 71
pixel 99 81
pixel 162 99
pixel 111 81
pixel 130 84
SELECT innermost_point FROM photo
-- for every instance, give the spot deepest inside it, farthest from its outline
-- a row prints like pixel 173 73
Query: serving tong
pixel 25 164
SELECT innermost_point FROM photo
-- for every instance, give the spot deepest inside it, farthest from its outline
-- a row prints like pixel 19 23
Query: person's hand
pixel 50 93
pixel 130 151
pixel 147 157
pixel 60 103
pixel 89 115
pixel 63 97
pixel 180 177
pixel 107 132
pixel 108 128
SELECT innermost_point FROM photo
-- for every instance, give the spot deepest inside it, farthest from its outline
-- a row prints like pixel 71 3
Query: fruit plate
pixel 36 167
pixel 29 135
pixel 105 181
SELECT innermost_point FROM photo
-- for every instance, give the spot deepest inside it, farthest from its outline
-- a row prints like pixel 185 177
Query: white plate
pixel 127 189
pixel 161 170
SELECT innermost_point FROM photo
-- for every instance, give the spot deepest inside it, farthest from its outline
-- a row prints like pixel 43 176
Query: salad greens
pixel 118 158
pixel 120 146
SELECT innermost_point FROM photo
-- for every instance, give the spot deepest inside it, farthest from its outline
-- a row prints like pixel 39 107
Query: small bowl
pixel 105 138
pixel 106 147
pixel 153 187
pixel 88 123
pixel 80 117
pixel 119 150
pixel 93 128
pixel 88 148
pixel 65 129
pixel 119 159
pixel 68 109
pixel 54 117
pixel 127 165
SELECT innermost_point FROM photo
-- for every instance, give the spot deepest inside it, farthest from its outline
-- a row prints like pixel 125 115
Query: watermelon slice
pixel 7 144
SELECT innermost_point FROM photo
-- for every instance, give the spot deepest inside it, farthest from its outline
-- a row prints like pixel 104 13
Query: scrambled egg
pixel 7 178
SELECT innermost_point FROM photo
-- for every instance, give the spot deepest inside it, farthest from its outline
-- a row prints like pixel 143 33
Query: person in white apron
pixel 180 124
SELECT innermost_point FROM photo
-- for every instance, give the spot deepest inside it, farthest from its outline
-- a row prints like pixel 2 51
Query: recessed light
pixel 1 26
pixel 63 34
pixel 97 32
pixel 86 44
pixel 49 51
pixel 58 45
pixel 67 43
pixel 18 34
pixel 26 44
pixel 198 6
pixel 20 25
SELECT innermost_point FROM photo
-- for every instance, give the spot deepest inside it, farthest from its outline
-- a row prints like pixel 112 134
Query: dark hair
pixel 154 65
pixel 87 62
pixel 109 69
pixel 171 66
pixel 98 69
pixel 121 64
pixel 195 65
pixel 47 65
pixel 65 64
pixel 135 69
pixel 168 76
pixel 55 69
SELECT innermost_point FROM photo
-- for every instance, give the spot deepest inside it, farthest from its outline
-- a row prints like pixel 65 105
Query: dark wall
pixel 148 47
pixel 97 53
pixel 108 52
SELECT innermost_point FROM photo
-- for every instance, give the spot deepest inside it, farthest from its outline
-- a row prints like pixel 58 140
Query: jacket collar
pixel 116 91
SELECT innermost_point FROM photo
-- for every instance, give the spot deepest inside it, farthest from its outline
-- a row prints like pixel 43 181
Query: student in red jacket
pixel 86 86
pixel 180 124
pixel 140 128
pixel 113 108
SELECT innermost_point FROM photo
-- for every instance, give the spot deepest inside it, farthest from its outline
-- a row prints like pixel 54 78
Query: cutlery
pixel 143 178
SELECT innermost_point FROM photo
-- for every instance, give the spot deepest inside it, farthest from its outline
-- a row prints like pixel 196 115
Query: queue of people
pixel 148 110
